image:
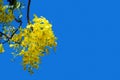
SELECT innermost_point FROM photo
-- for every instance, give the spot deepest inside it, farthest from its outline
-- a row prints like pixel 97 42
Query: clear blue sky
pixel 88 34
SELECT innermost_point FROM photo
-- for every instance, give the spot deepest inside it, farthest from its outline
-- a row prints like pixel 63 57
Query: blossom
pixel 6 14
pixel 1 48
pixel 35 40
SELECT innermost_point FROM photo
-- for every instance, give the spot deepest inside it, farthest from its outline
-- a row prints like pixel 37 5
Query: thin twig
pixel 28 11
pixel 4 34
pixel 19 21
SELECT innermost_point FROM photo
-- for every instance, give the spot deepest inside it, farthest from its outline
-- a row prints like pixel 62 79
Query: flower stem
pixel 28 11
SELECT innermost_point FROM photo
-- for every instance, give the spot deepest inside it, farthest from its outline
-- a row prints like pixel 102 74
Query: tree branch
pixel 28 11
pixel 19 21
pixel 4 34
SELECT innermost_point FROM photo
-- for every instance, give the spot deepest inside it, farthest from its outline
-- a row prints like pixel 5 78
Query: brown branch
pixel 28 11
pixel 19 21
pixel 4 35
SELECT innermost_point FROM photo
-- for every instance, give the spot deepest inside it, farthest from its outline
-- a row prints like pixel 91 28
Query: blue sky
pixel 88 34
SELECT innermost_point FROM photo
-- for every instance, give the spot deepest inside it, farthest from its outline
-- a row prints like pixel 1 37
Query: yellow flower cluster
pixel 6 14
pixel 35 39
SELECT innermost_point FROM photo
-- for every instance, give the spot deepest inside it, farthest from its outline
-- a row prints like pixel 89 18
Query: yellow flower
pixel 35 39
pixel 11 45
pixel 1 48
pixel 5 13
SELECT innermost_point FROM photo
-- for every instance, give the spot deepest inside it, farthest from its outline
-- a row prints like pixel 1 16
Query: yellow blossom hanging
pixel 35 40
